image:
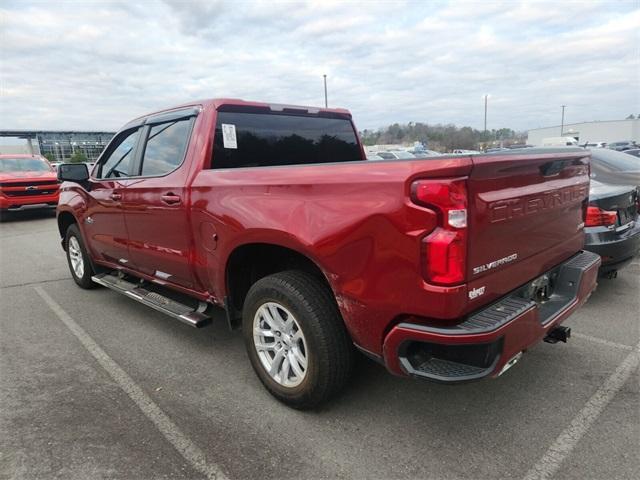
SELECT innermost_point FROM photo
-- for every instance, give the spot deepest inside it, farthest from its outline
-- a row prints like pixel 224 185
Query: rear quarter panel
pixel 354 220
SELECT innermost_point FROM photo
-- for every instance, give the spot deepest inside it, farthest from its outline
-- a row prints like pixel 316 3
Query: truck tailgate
pixel 523 205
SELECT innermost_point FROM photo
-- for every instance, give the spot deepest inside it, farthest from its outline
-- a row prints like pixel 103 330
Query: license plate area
pixel 556 289
pixel 541 289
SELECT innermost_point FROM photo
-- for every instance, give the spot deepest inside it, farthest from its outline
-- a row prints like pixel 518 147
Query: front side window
pixel 165 147
pixel 244 139
pixel 118 163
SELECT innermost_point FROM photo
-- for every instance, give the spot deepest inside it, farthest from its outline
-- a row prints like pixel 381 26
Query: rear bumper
pixel 616 249
pixel 490 339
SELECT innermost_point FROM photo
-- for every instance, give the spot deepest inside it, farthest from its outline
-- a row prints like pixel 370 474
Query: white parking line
pixel 569 438
pixel 602 341
pixel 170 430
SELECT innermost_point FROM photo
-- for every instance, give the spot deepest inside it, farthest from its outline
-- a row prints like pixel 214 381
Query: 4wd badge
pixel 476 292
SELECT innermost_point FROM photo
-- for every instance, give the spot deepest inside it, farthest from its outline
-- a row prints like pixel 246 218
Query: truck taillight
pixel 597 217
pixel 445 248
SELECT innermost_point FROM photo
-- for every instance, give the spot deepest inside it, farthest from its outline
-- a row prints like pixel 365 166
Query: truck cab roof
pixel 221 103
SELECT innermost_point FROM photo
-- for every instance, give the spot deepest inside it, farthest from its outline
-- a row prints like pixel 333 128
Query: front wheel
pixel 78 259
pixel 296 339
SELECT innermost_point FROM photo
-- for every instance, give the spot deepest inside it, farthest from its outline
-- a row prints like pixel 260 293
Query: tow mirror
pixel 73 172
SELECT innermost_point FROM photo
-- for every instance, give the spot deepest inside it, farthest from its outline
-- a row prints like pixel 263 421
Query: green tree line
pixel 440 137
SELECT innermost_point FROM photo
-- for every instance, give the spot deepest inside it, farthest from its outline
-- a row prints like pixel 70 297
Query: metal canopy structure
pixel 60 145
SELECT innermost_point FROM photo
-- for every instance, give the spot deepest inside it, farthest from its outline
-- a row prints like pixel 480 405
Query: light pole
pixel 325 91
pixel 485 114
pixel 562 122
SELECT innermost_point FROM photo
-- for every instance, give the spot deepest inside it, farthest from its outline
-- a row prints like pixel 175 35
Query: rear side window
pixel 265 139
pixel 165 147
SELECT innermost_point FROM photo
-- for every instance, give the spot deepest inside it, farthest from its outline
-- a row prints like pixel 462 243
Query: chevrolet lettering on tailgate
pixel 519 207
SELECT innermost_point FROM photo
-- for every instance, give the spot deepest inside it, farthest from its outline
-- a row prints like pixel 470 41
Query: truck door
pixel 104 221
pixel 156 202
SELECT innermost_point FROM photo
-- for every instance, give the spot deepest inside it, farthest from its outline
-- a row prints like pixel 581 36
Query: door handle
pixel 170 199
pixel 116 196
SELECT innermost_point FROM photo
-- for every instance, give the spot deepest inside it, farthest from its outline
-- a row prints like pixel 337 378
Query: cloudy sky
pixel 95 65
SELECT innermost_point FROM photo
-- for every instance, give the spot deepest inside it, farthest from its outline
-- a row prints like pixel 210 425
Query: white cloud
pixel 97 65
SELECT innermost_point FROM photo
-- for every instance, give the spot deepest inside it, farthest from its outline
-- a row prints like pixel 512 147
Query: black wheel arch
pixel 248 263
pixel 65 220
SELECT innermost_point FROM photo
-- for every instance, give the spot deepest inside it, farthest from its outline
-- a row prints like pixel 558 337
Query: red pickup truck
pixel 445 268
pixel 27 181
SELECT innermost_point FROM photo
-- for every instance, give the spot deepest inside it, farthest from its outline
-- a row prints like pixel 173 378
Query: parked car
pixel 559 142
pixel 519 145
pixel 459 151
pixel 496 149
pixel 55 165
pixel 621 146
pixel 425 153
pixel 612 227
pixel 594 145
pixel 634 151
pixel 434 269
pixel 395 155
pixel 27 182
pixel 615 168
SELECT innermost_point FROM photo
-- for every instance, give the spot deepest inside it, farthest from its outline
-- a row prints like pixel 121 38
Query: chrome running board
pixel 186 314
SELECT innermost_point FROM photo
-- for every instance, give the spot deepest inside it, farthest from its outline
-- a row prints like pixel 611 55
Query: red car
pixel 27 181
pixel 446 268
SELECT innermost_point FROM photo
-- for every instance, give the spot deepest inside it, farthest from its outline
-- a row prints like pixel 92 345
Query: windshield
pixel 616 161
pixel 26 164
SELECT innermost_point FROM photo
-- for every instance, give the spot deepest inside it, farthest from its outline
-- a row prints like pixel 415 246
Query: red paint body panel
pixel 354 220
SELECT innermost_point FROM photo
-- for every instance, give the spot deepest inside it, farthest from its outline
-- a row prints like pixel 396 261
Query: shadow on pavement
pixel 20 216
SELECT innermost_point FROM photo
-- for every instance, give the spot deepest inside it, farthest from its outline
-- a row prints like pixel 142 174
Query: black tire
pixel 83 281
pixel 330 352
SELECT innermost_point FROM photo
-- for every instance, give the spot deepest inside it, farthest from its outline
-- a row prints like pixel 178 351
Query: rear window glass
pixel 264 139
pixel 616 161
pixel 24 165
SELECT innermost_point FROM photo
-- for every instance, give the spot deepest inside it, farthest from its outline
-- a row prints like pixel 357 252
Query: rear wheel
pixel 295 338
pixel 78 259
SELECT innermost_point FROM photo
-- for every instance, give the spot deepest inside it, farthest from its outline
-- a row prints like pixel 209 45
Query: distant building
pixel 61 145
pixel 607 131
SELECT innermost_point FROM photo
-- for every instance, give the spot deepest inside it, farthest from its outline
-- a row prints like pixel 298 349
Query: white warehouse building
pixel 607 131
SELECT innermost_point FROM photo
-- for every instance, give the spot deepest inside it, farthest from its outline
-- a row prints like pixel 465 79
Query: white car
pixel 595 145
pixel 466 152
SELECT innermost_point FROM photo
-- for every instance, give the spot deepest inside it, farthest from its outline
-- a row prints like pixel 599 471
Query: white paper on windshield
pixel 229 139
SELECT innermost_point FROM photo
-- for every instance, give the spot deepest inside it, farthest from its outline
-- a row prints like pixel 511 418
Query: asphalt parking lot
pixel 94 385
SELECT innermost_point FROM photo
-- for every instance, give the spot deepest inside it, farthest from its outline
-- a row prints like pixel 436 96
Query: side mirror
pixel 73 172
